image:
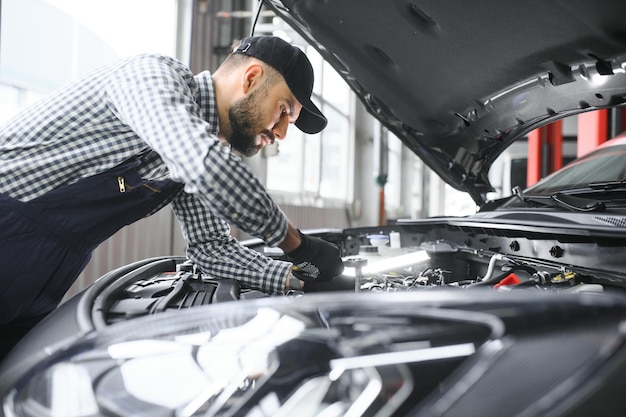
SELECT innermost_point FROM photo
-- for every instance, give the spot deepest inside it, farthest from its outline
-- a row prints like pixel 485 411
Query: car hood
pixel 459 81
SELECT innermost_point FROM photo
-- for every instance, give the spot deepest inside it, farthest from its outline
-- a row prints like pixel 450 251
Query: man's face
pixel 261 117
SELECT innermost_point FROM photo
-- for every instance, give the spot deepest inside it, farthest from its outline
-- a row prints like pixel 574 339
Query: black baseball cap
pixel 291 62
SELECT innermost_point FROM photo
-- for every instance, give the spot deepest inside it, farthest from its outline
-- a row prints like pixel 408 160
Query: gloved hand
pixel 315 259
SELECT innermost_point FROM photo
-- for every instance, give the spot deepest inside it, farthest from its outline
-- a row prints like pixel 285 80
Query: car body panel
pixel 458 81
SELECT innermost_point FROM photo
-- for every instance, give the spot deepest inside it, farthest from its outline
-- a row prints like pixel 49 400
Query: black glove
pixel 315 260
pixel 340 283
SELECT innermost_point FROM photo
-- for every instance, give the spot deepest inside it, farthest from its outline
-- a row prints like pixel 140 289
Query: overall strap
pixel 45 243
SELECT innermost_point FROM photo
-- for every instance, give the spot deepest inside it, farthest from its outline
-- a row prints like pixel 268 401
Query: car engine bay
pixel 394 258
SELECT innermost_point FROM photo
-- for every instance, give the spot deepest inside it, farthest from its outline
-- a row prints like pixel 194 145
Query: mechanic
pixel 129 139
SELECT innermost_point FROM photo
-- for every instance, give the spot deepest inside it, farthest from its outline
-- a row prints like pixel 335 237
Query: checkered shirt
pixel 151 102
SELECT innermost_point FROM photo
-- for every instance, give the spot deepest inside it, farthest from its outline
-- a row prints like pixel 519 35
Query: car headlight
pixel 258 358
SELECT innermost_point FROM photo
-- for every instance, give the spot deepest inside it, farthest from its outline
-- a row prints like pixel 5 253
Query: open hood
pixel 459 81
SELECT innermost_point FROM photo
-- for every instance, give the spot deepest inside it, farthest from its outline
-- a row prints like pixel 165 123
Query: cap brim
pixel 311 119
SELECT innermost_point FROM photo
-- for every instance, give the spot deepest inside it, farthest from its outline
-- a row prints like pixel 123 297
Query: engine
pixel 373 266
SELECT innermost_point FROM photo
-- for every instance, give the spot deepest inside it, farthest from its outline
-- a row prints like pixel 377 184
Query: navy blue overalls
pixel 46 242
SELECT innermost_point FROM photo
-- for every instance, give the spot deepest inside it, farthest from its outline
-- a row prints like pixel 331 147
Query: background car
pixel 515 310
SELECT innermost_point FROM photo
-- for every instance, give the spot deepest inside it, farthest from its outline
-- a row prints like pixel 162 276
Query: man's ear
pixel 252 75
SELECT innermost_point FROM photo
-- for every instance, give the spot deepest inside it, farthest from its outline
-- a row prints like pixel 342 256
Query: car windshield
pixel 606 165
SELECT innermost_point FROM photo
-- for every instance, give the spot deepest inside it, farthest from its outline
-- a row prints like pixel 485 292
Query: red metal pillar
pixel 545 151
pixel 533 168
pixel 554 138
pixel 592 130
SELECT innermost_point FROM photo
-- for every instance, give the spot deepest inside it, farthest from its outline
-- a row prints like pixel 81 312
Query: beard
pixel 245 124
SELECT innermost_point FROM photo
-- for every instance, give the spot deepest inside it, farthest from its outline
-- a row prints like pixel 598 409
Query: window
pixel 48 43
pixel 393 188
pixel 13 99
pixel 318 166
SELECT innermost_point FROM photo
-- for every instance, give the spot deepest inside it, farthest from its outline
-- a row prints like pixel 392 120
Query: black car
pixel 516 310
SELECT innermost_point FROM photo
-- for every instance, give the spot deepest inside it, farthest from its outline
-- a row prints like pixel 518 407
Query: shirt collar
pixel 205 97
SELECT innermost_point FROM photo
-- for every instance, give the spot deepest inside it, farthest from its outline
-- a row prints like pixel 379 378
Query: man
pixel 131 138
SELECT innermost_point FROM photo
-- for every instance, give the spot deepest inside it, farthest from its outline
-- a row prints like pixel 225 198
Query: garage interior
pixel 385 181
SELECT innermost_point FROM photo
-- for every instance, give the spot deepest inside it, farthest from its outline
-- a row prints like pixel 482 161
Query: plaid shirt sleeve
pixel 151 101
pixel 217 253
pixel 156 98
